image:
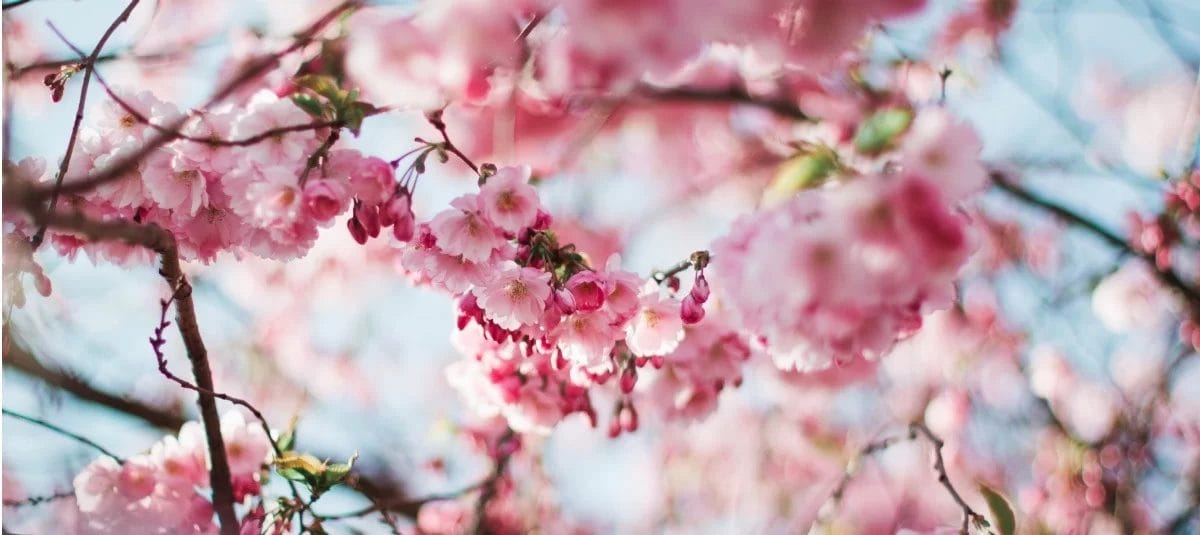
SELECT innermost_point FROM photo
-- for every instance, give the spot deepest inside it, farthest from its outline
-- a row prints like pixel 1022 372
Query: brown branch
pixel 488 486
pixel 377 489
pixel 17 358
pixel 852 468
pixel 1166 276
pixel 89 67
pixel 161 241
pixel 939 465
pixel 59 430
pixel 734 95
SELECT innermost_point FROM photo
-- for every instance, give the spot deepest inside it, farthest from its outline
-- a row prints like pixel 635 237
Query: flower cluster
pixel 164 487
pixel 540 324
pixel 842 272
pixel 266 198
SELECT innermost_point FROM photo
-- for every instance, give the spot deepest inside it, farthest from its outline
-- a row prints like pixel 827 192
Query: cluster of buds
pixel 395 212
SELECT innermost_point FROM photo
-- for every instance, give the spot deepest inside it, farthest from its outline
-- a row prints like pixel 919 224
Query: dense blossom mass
pixel 850 281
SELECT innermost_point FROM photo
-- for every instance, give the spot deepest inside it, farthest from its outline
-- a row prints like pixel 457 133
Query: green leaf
pixel 880 130
pixel 1002 513
pixel 293 474
pixel 309 104
pixel 800 173
pixel 325 86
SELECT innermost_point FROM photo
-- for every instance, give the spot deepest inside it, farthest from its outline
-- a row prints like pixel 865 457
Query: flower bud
pixel 628 380
pixel 690 311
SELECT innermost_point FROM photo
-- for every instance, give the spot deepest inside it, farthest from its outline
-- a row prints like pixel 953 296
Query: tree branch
pixel 73 436
pixel 88 66
pixel 939 465
pixel 1166 276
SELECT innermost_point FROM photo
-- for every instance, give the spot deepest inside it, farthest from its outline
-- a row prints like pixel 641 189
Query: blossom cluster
pixel 266 198
pixel 165 486
pixel 840 273
pixel 539 323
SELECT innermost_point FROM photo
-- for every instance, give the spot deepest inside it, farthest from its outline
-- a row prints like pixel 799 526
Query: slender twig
pixel 1166 276
pixel 488 486
pixel 88 66
pixel 939 465
pixel 38 500
pixel 435 119
pixel 16 3
pixel 17 358
pixel 74 436
pixel 404 505
pixel 218 142
pixel 734 95
pixel 852 468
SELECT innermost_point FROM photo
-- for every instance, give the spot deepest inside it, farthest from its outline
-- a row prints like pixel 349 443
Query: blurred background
pixel 1087 102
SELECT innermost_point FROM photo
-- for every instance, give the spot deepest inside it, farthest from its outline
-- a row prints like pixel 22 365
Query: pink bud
pixel 614 428
pixel 368 217
pixel 357 230
pixel 673 283
pixel 629 418
pixel 658 361
pixel 628 380
pixel 543 220
pixel 700 288
pixel 690 311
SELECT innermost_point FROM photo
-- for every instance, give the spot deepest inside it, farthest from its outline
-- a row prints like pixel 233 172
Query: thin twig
pixel 435 119
pixel 488 487
pixel 939 465
pixel 1167 276
pixel 88 66
pixel 38 500
pixel 74 436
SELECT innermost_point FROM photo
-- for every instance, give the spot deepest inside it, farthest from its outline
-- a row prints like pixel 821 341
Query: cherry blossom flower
pixel 515 297
pixel 508 201
pixel 656 328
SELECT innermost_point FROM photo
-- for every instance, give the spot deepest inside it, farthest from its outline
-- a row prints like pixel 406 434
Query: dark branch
pixel 76 437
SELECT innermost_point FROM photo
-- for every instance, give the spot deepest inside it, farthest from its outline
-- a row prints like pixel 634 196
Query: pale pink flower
pixel 443 517
pixel 246 444
pixel 516 297
pixel 1131 299
pixel 96 485
pixel 462 230
pixel 273 198
pixel 508 200
pixel 137 479
pixel 587 338
pixel 946 151
pixel 182 461
pixel 267 112
pixel 656 328
pixel 174 183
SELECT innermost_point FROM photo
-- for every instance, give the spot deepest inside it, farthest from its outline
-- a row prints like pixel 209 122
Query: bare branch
pixel 73 436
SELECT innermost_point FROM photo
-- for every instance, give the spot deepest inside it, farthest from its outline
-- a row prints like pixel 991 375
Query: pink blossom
pixel 174 183
pixel 587 338
pixel 267 112
pixel 656 328
pixel 515 297
pixel 246 444
pixel 508 200
pixel 182 461
pixel 1131 300
pixel 325 199
pixel 587 290
pixel 96 486
pixel 137 479
pixel 946 151
pixel 462 230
